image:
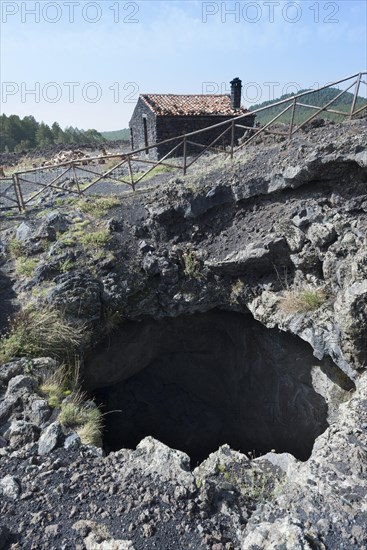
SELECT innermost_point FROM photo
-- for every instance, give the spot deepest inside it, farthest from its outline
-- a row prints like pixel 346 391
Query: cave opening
pixel 196 382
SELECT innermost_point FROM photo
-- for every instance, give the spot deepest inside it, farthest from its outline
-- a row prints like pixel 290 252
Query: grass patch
pixel 99 207
pixel 95 240
pixel 156 171
pixel 26 266
pixel 66 265
pixel 302 300
pixel 82 235
pixel 79 224
pixel 16 248
pixel 65 200
pixel 193 187
pixel 41 333
pixel 160 169
pixel 67 239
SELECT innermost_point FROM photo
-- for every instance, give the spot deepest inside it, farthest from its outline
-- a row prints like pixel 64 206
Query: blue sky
pixel 86 62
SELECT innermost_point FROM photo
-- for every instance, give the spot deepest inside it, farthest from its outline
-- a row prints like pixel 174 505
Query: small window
pixel 132 139
pixel 145 133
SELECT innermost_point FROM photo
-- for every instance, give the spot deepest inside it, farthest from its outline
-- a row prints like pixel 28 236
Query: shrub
pixel 302 299
pixel 191 265
pixel 45 332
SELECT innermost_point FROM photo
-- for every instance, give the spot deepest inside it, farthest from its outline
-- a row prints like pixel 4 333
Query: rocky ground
pixel 278 235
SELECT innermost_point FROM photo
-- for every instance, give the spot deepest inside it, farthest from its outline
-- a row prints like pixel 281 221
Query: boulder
pixel 21 433
pixel 256 258
pixel 321 235
pixel 21 385
pixel 160 461
pixel 24 232
pixel 9 370
pixel 215 197
pixel 285 533
pixel 39 411
pixel 50 438
pixel 10 487
pixel 72 441
pixel 351 315
pixel 57 220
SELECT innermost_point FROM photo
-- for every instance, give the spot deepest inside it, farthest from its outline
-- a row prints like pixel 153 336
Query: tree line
pixel 25 134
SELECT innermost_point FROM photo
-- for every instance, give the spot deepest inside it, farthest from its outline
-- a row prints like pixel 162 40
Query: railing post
pixel 17 186
pixel 292 119
pixel 75 177
pixel 130 173
pixel 184 155
pixel 16 192
pixel 232 138
pixel 358 83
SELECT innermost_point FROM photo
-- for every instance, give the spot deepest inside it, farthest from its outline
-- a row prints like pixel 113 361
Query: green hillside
pixel 123 134
pixel 318 98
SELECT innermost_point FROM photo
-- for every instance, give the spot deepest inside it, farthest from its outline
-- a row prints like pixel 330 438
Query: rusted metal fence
pixel 79 176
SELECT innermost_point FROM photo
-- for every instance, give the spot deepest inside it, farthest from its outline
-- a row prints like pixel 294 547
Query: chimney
pixel 236 87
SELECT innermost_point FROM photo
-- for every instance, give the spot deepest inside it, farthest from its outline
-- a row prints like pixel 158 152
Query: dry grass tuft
pixel 84 418
pixel 42 333
pixel 61 383
pixel 301 300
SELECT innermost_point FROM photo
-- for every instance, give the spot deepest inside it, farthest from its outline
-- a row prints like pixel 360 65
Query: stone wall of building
pixel 160 128
pixel 170 126
pixel 137 131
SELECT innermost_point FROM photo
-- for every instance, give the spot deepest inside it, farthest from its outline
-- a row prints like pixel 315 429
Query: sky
pixel 84 63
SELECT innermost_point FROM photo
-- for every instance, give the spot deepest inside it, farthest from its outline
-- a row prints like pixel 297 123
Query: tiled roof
pixel 176 105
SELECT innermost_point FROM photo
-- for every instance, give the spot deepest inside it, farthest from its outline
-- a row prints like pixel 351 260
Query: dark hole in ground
pixel 200 381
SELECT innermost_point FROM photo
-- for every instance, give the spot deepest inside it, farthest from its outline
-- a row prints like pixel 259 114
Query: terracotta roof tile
pixel 178 105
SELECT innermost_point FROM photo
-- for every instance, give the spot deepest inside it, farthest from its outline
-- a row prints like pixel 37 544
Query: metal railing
pixel 79 176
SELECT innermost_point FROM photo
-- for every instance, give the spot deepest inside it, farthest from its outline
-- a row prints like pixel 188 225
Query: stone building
pixel 158 117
